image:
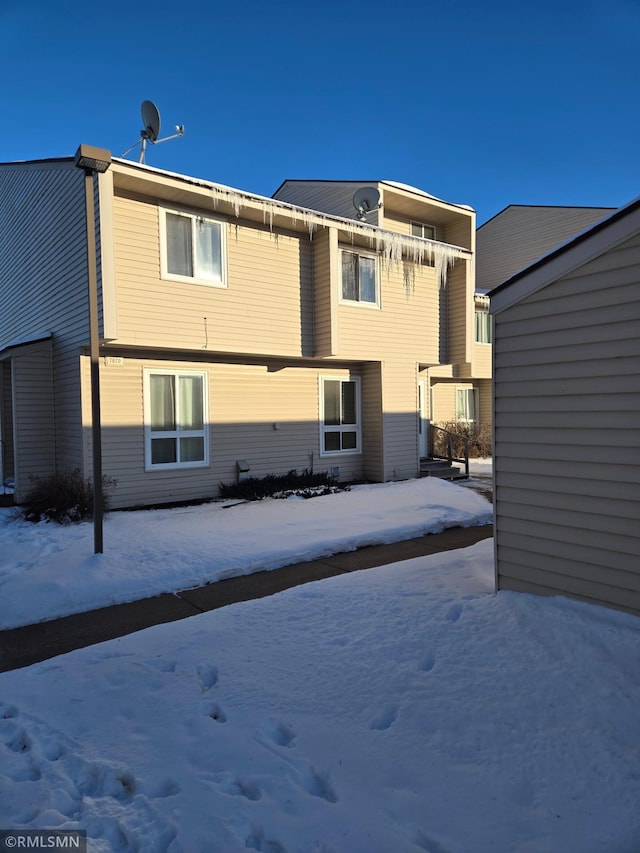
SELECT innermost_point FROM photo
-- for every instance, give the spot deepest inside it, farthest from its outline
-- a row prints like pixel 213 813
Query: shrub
pixel 64 497
pixel 305 485
pixel 478 436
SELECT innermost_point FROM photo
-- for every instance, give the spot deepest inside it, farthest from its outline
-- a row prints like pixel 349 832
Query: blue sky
pixel 480 103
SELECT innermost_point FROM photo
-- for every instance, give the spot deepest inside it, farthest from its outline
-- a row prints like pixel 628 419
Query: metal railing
pixel 444 440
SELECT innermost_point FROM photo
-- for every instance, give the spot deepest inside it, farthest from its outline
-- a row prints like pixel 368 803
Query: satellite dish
pixel 366 199
pixel 150 120
pixel 151 130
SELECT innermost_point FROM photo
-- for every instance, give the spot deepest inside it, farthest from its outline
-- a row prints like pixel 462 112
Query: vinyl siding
pixel 521 234
pixel 567 434
pixel 33 415
pixel 43 279
pixel 266 308
pixel 6 420
pixel 266 414
pixel 481 361
pixel 372 422
pixel 444 398
pixel 406 321
pixel 460 316
pixel 333 197
pixel 325 271
pixel 400 419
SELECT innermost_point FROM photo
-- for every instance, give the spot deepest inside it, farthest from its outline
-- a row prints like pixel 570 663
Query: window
pixel 175 418
pixel 483 326
pixel 359 278
pixel 339 416
pixel 419 229
pixel 465 404
pixel 193 248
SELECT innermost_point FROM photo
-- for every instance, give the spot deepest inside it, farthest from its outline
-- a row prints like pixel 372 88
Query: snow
pixel 401 709
pixel 47 571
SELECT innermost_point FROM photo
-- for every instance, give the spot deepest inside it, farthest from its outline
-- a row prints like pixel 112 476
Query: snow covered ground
pixel 401 709
pixel 48 570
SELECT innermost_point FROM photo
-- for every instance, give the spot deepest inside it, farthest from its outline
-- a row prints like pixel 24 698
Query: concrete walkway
pixel 32 643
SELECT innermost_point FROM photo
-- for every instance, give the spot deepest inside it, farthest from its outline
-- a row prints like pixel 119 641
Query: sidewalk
pixel 33 643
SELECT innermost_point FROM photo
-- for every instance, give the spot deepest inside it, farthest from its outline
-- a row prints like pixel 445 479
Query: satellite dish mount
pixel 366 199
pixel 151 130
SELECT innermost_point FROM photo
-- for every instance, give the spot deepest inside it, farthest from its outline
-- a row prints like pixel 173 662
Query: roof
pixel 590 243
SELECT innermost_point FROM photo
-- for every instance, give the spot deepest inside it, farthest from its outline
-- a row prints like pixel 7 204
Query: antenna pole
pixel 143 148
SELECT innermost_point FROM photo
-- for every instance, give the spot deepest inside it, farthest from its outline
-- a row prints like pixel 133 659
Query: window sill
pixel 200 281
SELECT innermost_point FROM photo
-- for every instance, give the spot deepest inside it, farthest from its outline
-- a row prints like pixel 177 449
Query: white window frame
pixel 470 392
pixel 422 225
pixel 176 433
pixel 357 427
pixel 194 218
pixel 487 326
pixel 360 302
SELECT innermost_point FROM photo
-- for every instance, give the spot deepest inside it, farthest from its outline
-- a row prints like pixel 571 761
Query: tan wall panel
pixel 266 307
pixel 400 422
pixel 268 417
pixel 405 324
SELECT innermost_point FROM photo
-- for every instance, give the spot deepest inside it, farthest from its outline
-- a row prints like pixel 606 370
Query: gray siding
pixel 33 415
pixel 6 420
pixel 567 434
pixel 333 197
pixel 43 278
pixel 521 234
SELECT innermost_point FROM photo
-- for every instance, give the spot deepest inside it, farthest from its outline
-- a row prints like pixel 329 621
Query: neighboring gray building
pixel 522 233
pixel 567 418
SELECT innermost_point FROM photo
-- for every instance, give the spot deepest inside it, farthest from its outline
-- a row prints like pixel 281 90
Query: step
pixel 441 469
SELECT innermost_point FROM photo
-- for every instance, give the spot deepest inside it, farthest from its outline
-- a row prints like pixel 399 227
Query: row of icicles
pixel 391 246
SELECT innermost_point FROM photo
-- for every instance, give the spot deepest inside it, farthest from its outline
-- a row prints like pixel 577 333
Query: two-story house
pixel 280 333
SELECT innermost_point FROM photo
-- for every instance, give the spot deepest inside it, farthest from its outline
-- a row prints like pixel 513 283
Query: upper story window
pixel 193 248
pixel 419 229
pixel 359 278
pixel 483 326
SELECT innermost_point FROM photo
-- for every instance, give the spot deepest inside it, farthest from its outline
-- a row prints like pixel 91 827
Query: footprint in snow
pixel 281 734
pixel 385 718
pixel 318 784
pixel 207 675
pixel 161 665
pixel 454 613
pixel 216 713
pixel 429 662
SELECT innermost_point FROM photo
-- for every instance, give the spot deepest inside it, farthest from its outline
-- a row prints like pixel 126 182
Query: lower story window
pixel 175 419
pixel 465 404
pixel 339 415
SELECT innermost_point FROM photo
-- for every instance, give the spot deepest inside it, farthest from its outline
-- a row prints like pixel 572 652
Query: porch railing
pixel 441 446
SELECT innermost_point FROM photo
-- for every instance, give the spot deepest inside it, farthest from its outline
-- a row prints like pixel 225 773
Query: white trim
pixel 423 225
pixel 474 394
pixel 107 257
pixel 357 428
pixel 177 433
pixel 193 215
pixel 354 250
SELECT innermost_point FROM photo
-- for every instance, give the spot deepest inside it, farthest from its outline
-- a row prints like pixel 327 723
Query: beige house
pixel 237 331
pixel 567 418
